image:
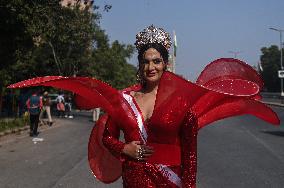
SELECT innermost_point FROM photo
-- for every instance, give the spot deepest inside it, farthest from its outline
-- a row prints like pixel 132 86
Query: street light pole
pixel 281 56
pixel 235 53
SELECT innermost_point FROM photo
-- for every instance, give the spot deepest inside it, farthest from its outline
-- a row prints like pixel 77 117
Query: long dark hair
pixel 160 48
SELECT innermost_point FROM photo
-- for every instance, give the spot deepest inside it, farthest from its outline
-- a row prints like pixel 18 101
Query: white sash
pixel 167 172
pixel 138 116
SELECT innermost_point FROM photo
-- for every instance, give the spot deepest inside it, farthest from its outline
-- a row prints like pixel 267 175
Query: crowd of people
pixel 38 105
pixel 64 105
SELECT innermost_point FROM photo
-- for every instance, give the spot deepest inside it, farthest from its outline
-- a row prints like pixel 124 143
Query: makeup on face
pixel 156 61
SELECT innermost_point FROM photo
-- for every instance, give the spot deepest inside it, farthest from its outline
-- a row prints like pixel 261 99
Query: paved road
pixel 241 152
pixel 60 160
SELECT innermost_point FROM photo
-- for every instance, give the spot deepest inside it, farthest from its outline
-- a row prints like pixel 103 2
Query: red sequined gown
pixel 172 132
pixel 225 88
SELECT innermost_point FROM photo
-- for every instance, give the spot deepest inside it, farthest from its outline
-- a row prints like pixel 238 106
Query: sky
pixel 206 29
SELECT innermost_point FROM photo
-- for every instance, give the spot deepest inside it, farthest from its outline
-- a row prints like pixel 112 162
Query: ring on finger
pixel 140 153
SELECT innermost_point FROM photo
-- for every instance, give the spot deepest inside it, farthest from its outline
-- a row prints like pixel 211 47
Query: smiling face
pixel 153 66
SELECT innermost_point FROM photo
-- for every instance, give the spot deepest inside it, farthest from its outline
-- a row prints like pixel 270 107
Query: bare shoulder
pixel 135 93
pixel 132 93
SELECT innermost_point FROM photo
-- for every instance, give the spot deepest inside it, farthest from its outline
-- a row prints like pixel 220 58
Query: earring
pixel 138 77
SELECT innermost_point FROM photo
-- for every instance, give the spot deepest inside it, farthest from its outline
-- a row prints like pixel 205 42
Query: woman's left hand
pixel 144 152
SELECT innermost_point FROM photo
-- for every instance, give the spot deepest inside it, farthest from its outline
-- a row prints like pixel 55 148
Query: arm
pixel 119 149
pixel 40 103
pixel 28 103
pixel 189 151
pixel 110 139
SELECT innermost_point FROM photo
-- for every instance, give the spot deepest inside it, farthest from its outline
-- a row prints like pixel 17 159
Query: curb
pixel 16 130
pixel 13 131
pixel 273 104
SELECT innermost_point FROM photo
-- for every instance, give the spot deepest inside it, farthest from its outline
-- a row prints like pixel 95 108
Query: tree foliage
pixel 270 61
pixel 111 66
pixel 42 37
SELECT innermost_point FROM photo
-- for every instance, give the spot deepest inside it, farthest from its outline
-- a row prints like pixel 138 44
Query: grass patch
pixel 12 123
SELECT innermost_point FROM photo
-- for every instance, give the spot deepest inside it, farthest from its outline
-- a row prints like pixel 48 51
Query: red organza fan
pixel 92 93
pixel 228 69
pixel 226 87
pixel 103 164
pixel 95 93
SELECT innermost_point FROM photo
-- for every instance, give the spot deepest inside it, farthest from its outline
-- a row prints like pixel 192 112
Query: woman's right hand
pixel 134 149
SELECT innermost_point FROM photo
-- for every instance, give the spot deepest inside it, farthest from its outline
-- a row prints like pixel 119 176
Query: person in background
pixel 96 114
pixel 46 108
pixel 68 106
pixel 34 105
pixel 60 105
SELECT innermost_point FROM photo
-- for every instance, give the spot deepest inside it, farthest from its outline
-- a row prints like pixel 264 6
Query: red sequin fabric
pixel 141 174
pixel 168 131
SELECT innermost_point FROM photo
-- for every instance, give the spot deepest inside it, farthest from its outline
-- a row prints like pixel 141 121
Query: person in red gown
pixel 162 152
pixel 161 116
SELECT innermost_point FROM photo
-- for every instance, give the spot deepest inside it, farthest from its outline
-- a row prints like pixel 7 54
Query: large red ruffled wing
pixel 228 69
pixel 238 106
pixel 87 88
pixel 240 79
pixel 222 96
pixel 103 164
pixel 231 76
pixel 83 103
pixel 93 93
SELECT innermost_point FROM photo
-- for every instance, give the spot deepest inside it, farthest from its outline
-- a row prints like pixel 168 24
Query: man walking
pixel 46 108
pixel 34 105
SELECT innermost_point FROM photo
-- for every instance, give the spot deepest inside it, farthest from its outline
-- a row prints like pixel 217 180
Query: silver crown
pixel 153 34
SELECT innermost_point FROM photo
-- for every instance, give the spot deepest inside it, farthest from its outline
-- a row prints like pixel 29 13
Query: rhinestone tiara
pixel 152 34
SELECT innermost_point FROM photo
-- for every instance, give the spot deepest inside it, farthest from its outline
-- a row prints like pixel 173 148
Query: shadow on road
pixel 275 133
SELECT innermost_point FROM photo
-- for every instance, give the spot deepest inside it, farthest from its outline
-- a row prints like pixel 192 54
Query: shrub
pixel 8 123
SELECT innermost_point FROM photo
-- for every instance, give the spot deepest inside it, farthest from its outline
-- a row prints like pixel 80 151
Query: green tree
pixel 14 40
pixel 49 39
pixel 111 65
pixel 63 37
pixel 270 61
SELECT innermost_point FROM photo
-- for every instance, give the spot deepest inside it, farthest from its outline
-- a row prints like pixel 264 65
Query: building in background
pixel 82 3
